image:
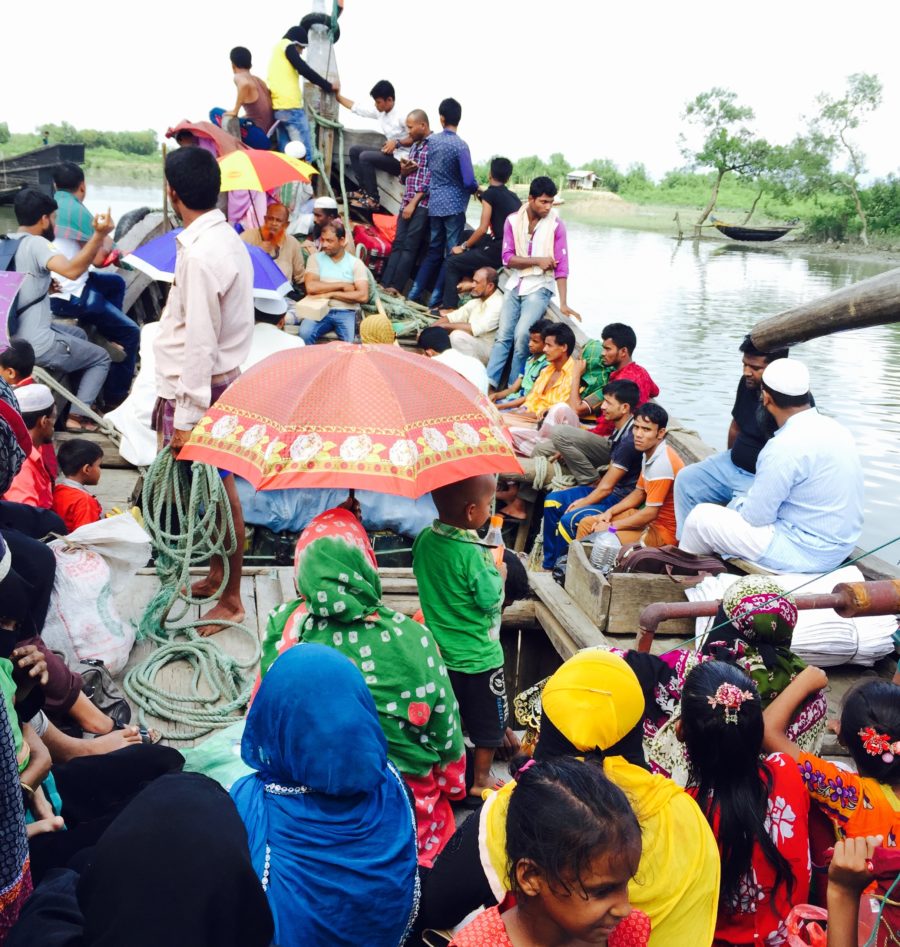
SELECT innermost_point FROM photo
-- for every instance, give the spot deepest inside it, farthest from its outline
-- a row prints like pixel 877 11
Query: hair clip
pixel 526 766
pixel 879 744
pixel 729 696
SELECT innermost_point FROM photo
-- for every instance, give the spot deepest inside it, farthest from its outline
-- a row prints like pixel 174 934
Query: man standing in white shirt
pixel 473 326
pixel 435 343
pixel 366 161
pixel 204 336
pixel 804 510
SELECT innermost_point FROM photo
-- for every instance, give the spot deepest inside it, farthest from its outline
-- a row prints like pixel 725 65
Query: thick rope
pixel 549 475
pixel 320 161
pixel 188 517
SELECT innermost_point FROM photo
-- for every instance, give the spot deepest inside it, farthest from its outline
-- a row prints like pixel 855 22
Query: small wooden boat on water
pixel 752 234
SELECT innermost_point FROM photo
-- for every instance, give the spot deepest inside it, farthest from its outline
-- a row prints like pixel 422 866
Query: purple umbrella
pixel 10 282
pixel 157 260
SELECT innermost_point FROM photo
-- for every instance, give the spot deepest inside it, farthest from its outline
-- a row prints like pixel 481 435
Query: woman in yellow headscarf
pixel 589 706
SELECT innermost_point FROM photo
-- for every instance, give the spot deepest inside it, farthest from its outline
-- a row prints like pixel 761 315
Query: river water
pixel 691 305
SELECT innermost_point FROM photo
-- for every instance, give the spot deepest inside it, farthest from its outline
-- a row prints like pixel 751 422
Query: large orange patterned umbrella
pixel 370 417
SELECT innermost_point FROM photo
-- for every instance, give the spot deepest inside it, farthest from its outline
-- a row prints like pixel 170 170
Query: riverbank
pixel 605 209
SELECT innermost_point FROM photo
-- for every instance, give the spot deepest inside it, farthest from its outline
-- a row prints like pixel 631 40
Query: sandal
pixel 77 425
pixel 148 735
pixel 365 203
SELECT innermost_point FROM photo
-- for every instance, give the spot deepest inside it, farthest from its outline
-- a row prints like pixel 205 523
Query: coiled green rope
pixel 188 517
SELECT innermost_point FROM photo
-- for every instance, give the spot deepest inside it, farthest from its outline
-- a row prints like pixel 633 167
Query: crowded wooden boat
pixel 524 592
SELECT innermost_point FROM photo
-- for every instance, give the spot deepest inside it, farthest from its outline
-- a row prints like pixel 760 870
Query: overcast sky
pixel 586 78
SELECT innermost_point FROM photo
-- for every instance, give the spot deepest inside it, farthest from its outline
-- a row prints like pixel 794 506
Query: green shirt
pixel 534 365
pixel 461 594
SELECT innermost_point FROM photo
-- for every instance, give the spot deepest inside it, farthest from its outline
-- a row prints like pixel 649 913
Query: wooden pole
pixel 165 193
pixel 871 302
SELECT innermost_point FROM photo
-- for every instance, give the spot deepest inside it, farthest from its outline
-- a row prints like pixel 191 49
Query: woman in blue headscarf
pixel 331 830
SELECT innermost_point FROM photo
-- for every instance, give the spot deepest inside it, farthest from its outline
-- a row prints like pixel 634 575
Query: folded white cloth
pixel 821 637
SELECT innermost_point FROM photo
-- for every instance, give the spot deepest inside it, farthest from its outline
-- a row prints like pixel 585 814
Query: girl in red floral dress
pixel 573 844
pixel 758 810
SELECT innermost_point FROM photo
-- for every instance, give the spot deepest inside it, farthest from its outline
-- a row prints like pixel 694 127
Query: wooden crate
pixel 614 602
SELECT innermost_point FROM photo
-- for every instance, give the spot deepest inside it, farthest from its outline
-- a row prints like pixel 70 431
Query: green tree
pixel 837 119
pixel 609 176
pixel 528 168
pixel 4 133
pixel 728 145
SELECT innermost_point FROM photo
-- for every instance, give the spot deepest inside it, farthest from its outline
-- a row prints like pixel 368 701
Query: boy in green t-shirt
pixel 461 593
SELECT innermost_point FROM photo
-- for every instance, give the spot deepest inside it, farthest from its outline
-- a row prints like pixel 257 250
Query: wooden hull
pixel 35 168
pixel 753 234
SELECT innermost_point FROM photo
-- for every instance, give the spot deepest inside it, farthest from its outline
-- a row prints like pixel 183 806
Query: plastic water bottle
pixel 605 550
pixel 494 537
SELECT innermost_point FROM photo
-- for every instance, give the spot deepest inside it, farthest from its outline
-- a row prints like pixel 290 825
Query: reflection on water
pixel 691 305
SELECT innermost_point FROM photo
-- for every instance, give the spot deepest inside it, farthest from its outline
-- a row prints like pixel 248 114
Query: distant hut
pixel 581 180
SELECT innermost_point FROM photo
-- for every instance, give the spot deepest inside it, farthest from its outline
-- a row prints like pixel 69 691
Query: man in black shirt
pixel 482 248
pixel 729 474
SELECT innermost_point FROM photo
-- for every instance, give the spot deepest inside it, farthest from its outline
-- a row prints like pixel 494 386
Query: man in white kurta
pixel 804 511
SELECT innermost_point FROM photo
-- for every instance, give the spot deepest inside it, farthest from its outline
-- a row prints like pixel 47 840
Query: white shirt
pixel 393 124
pixel 267 340
pixel 470 368
pixel 69 287
pixel 809 486
pixel 483 315
pixel 206 327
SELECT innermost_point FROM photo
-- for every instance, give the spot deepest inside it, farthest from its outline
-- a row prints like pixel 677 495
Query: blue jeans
pixel 518 315
pixel 560 527
pixel 100 305
pixel 341 321
pixel 445 234
pixel 714 480
pixel 294 126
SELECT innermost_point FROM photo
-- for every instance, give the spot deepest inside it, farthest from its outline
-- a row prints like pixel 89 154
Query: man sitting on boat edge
pixel 473 326
pixel 729 474
pixel 804 511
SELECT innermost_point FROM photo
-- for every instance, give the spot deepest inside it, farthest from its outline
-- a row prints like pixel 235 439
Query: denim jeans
pixel 294 126
pixel 560 527
pixel 341 321
pixel 518 315
pixel 72 353
pixel 714 480
pixel 411 235
pixel 100 305
pixel 445 234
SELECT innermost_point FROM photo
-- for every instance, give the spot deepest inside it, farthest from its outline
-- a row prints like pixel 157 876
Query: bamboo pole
pixel 871 302
pixel 165 192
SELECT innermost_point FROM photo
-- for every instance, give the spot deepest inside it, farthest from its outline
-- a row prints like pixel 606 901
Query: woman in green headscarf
pixel 340 606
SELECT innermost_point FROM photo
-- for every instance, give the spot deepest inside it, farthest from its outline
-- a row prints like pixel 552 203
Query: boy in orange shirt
pixel 79 460
pixel 647 514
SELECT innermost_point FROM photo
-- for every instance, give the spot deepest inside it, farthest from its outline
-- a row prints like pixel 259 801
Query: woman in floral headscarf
pixel 340 606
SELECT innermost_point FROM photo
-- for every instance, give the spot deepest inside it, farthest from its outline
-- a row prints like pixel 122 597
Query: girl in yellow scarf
pixel 589 705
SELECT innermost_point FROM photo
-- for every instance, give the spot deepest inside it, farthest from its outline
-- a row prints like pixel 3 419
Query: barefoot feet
pixel 221 616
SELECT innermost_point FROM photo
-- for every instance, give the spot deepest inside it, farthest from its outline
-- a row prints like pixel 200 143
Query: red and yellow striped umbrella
pixel 371 417
pixel 253 170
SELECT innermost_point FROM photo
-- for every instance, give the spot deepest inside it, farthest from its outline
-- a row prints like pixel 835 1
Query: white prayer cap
pixel 325 203
pixel 788 376
pixel 295 149
pixel 271 307
pixel 34 398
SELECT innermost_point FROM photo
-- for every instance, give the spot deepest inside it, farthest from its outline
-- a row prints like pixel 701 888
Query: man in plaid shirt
pixel 412 224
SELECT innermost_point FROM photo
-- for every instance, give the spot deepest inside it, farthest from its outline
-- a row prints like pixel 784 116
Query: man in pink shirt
pixel 537 254
pixel 204 335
